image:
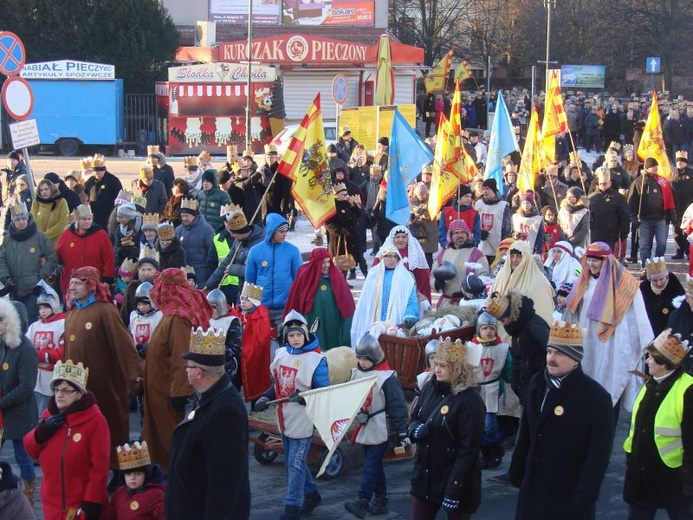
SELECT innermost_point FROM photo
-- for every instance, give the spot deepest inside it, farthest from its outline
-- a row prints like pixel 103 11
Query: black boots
pixel 310 502
pixel 358 508
pixel 491 456
pixel 378 505
pixel 290 513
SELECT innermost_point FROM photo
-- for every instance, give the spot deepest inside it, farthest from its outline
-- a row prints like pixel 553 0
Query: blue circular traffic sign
pixel 12 54
pixel 340 89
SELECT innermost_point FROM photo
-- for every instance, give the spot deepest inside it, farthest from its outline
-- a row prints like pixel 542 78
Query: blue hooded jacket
pixel 273 266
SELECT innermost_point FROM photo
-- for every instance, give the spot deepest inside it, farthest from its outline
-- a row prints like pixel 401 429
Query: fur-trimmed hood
pixel 13 328
pixel 515 298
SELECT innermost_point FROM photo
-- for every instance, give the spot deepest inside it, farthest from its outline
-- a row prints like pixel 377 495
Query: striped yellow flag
pixel 463 71
pixel 530 165
pixel 446 158
pixel 305 163
pixel 652 141
pixel 437 78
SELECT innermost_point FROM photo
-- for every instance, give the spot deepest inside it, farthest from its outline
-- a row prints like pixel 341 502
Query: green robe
pixel 334 330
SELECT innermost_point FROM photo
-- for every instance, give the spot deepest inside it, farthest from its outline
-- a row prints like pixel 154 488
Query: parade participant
pixel 195 236
pixel 171 253
pixel 382 416
pixel 421 226
pixel 15 505
pixel 194 178
pixel 462 255
pixel 651 205
pixel 74 473
pixel 26 257
pixel 681 320
pixel 381 153
pixel 126 272
pixel 563 407
pixel 247 188
pixel 163 172
pixel 149 240
pixel 8 175
pixel 341 230
pixel 227 320
pixel 86 171
pixel 126 236
pixel 272 264
pixel 460 209
pixel 146 269
pixel 422 378
pixel 171 211
pixel 211 444
pixel 50 210
pixel 574 218
pixel 528 224
pixel 494 355
pixel 607 303
pixel 102 190
pixel 522 273
pixel 494 214
pixel 682 186
pixel 658 463
pixel 413 258
pixel 70 196
pixel 165 384
pixel 151 189
pixel 115 367
pixel 298 366
pixel 552 230
pixel 658 292
pixel 256 343
pixel 228 257
pixel 554 191
pixel 561 266
pixel 319 291
pixel 501 256
pixel 630 161
pixel 609 215
pixel 139 497
pixel 144 319
pixel 620 179
pixel 211 199
pixel 232 161
pixel 447 426
pixel 388 294
pixel 278 198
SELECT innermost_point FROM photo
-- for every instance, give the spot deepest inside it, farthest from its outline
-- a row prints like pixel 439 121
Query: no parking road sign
pixel 12 54
pixel 340 89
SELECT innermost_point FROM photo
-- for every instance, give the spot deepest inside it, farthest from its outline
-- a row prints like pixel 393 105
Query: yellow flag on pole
pixel 445 175
pixel 437 77
pixel 463 71
pixel 652 141
pixel 555 119
pixel 305 163
pixel 530 165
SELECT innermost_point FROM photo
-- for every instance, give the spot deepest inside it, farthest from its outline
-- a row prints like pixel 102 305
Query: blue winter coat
pixel 196 239
pixel 273 266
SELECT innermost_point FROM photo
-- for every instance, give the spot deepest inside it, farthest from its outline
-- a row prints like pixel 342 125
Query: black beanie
pixel 13 155
pixel 331 149
pixel 490 183
pixel 7 478
pixel 464 190
pixel 209 176
pixel 650 162
pixel 384 141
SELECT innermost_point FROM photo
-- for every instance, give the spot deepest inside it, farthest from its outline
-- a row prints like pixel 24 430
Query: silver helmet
pixel 142 292
pixel 294 321
pixel 444 272
pixel 48 297
pixel 485 319
pixel 370 349
pixel 432 347
pixel 217 300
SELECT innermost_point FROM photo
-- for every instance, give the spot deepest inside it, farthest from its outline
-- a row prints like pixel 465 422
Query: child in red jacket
pixel 142 495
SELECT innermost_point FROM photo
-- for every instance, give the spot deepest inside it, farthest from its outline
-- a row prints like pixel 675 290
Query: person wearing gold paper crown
pixel 658 292
pixel 141 497
pixel 72 443
pixel 50 210
pixel 232 162
pixel 195 236
pixel 126 235
pixel 298 366
pixel 256 344
pixel 126 272
pixel 659 467
pixel 171 253
pixel 166 386
pixel 278 198
pixel 163 172
pixel 566 433
pixel 171 211
pixel 151 189
pixel 102 190
pixel 447 425
pixel 208 465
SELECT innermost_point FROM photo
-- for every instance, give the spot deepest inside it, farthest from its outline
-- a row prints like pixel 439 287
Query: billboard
pixel 265 12
pixel 583 76
pixel 329 12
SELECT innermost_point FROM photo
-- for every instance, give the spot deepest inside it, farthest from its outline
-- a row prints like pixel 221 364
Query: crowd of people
pixel 202 307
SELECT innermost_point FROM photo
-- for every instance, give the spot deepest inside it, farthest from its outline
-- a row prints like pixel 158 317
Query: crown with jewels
pixel 128 267
pixel 190 161
pixel 150 221
pixel 682 154
pixel 83 211
pixel 85 164
pixel 615 145
pixel 19 208
pixel 124 196
pixel 205 156
pixel 252 292
pixel 189 204
pixel 565 334
pixel 234 217
pixel 451 352
pixel 98 161
pixel 140 202
pixel 210 342
pixel 149 252
pixel 152 149
pixel 628 148
pixel 166 231
pixel 133 457
pixel 671 346
pixel 498 305
pixel 68 371
pixel 656 267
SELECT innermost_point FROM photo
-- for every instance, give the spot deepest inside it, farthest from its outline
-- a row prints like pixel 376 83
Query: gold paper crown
pixel 231 148
pixel 234 217
pixel 18 208
pixel 149 252
pixel 615 145
pixel 166 231
pixel 248 153
pixel 98 161
pixel 565 334
pixel 345 130
pixel 671 346
pixel 151 220
pixel 574 157
pixel 210 342
pixel 85 164
pixel 270 149
pixel 123 197
pixel 498 305
pixel 340 187
pixel 133 457
pixel 188 203
pixel 628 148
pixel 656 267
pixel 153 149
pixel 375 168
pixel 189 161
pixel 147 171
pixel 682 154
pixel 129 265
pixel 252 291
pixel 140 202
pixel 83 211
pixel 451 352
pixel 68 371
pixel 205 156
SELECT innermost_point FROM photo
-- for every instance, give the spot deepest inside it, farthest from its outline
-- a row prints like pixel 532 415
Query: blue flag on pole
pixel 408 155
pixel 502 143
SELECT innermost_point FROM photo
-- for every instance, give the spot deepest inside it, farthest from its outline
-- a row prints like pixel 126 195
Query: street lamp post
pixel 248 56
pixel 548 4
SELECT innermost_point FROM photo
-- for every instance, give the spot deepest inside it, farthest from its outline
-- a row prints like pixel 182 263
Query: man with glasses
pixel 609 215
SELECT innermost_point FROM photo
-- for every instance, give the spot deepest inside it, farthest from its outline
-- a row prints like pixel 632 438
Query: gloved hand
pixel 90 510
pixel 261 404
pixel 420 432
pixel 142 349
pixel 47 427
pixel 362 417
pixel 178 403
pixel 483 235
pixel 295 397
pixel 450 504
pixel 438 285
pixel 410 321
pixel 635 223
pixel 404 441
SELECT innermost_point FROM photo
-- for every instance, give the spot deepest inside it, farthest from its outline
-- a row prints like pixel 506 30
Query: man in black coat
pixel 208 462
pixel 163 172
pixel 566 433
pixel 102 190
pixel 681 321
pixel 609 214
pixel 682 186
pixel 658 292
